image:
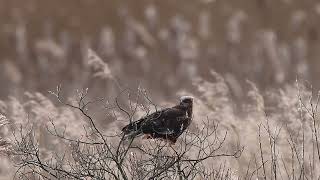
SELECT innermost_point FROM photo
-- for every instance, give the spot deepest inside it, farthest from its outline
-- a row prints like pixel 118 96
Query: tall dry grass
pixel 172 49
pixel 268 43
pixel 279 128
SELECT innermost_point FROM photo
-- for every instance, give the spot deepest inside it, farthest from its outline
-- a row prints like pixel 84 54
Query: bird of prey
pixel 167 124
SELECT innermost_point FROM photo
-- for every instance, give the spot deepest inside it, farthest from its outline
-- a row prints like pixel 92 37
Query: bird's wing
pixel 163 122
pixel 133 127
pixel 163 131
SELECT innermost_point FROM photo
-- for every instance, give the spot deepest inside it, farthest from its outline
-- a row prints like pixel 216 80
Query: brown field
pixel 248 63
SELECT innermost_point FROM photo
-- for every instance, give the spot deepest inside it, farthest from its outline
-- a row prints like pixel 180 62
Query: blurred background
pixel 207 48
pixel 160 45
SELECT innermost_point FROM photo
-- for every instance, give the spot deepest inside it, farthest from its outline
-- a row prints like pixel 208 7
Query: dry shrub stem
pixel 285 149
pixel 98 156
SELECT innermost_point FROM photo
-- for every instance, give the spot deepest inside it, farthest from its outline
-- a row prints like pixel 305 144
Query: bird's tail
pixel 133 129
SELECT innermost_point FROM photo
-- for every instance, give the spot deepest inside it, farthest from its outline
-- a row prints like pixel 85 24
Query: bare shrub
pixel 98 155
pixel 279 130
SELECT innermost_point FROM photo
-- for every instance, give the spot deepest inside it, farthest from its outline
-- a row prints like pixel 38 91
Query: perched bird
pixel 167 124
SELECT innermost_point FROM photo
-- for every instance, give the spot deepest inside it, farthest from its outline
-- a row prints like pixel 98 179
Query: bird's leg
pixel 169 142
pixel 172 143
pixel 147 136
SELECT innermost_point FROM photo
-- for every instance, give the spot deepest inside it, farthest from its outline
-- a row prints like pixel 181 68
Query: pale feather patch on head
pixel 182 98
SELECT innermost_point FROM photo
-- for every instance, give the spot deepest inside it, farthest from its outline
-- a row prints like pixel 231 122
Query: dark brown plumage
pixel 167 124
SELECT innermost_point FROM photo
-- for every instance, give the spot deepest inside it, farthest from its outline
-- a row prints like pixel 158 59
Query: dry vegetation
pixel 274 136
pixel 267 42
pixel 239 59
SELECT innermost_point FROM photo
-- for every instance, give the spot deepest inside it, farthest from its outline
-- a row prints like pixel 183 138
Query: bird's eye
pixel 187 101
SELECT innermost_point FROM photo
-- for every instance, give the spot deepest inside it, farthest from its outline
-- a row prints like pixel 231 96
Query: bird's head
pixel 187 101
